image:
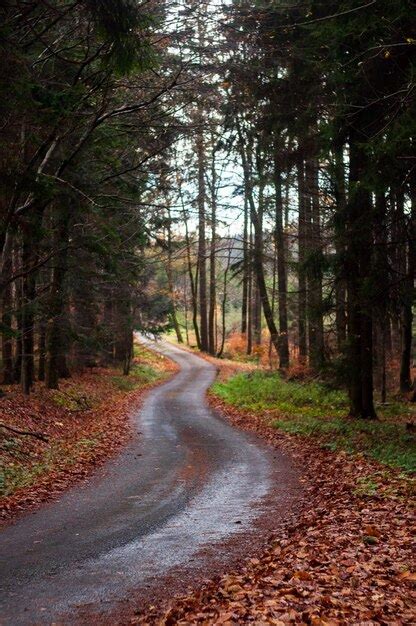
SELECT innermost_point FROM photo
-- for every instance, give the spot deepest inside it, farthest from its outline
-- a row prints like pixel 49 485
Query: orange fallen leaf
pixel 302 575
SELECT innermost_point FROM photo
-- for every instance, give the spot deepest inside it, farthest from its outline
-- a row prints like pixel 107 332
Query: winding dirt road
pixel 186 480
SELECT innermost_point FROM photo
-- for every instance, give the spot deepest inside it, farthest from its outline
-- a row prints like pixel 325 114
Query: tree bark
pixel 406 383
pixel 202 264
pixel 57 319
pixel 169 274
pixel 340 290
pixel 245 271
pixel 28 314
pixel 194 286
pixel 283 350
pixel 359 258
pixel 212 269
pixel 259 246
pixel 224 302
pixel 7 332
pixel 249 291
pixel 42 351
pixel 302 293
pixel 315 310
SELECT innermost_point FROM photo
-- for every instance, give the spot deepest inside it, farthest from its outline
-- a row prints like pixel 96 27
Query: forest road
pixel 187 479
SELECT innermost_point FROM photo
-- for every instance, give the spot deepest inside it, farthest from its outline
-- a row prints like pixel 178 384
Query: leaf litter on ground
pixel 348 559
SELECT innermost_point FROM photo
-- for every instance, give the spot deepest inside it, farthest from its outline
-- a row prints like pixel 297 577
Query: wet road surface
pixel 186 479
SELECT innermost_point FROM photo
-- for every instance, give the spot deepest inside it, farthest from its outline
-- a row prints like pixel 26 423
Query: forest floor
pixel 187 497
pixel 349 558
pixel 81 425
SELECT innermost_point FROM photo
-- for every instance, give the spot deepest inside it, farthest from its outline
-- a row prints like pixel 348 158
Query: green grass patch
pixel 72 399
pixel 140 374
pixel 366 486
pixel 15 476
pixel 259 391
pixel 147 356
pixel 314 410
pixel 386 442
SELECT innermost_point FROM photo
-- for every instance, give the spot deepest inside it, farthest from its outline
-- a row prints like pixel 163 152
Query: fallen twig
pixel 25 432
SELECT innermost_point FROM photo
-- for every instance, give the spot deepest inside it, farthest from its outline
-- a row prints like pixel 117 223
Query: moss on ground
pixel 312 409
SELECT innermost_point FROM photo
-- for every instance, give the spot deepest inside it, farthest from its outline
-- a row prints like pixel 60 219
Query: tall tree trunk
pixel 200 153
pixel 359 259
pixel 315 310
pixel 124 329
pixel 193 281
pixel 202 263
pixel 212 254
pixel 195 311
pixel 340 290
pixel 169 274
pixel 17 363
pixel 224 302
pixel 302 293
pixel 57 314
pixel 250 293
pixel 398 261
pixel 129 351
pixel 28 313
pixel 42 350
pixel 406 383
pixel 246 266
pixel 283 350
pixel 273 300
pixel 259 246
pixel 7 332
pixel 108 323
pixel 185 306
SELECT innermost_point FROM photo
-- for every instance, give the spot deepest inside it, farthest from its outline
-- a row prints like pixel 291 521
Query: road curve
pixel 186 479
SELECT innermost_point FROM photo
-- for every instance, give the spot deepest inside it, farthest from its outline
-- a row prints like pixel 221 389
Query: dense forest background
pixel 241 173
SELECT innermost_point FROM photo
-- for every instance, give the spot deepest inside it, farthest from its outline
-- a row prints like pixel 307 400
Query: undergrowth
pixel 140 374
pixel 313 410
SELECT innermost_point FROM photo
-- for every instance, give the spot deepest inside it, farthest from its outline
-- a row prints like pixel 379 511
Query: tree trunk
pixel 283 350
pixel 340 291
pixel 406 383
pixel 194 287
pixel 302 293
pixel 224 302
pixel 185 306
pixel 249 294
pixel 28 314
pixel 128 351
pixel 42 350
pixel 245 271
pixel 358 270
pixel 316 323
pixel 383 365
pixel 259 247
pixel 212 291
pixel 273 300
pixel 7 332
pixel 57 315
pixel 108 323
pixel 169 274
pixel 202 270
